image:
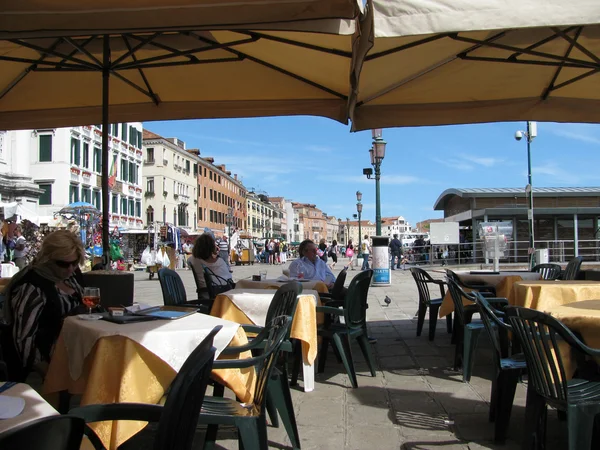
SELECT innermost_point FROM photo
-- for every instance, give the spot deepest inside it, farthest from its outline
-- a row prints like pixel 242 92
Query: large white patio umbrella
pixel 462 61
pixel 171 60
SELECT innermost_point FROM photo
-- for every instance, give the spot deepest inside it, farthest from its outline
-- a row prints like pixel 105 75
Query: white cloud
pixel 577 131
pixel 482 161
pixel 557 174
pixel 454 163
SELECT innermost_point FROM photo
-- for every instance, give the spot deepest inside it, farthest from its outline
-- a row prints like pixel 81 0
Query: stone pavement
pixel 416 401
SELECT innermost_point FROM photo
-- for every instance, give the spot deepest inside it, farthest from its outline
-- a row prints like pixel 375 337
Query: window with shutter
pixel 45 142
pixel 46 197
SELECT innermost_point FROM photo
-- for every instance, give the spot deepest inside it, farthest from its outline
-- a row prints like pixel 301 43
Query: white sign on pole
pixel 444 233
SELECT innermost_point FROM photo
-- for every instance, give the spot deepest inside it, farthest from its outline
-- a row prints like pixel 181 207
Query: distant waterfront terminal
pixel 566 219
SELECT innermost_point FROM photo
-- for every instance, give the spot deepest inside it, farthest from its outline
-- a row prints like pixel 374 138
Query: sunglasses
pixel 66 264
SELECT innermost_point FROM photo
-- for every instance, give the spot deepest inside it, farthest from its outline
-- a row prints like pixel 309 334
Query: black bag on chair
pixel 216 284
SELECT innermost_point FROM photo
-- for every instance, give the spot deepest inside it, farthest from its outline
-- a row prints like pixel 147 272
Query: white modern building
pixel 394 225
pixel 65 165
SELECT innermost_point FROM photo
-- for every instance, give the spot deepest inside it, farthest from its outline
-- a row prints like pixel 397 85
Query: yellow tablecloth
pixel 503 289
pixel 583 317
pixel 120 370
pixel 304 325
pixel 318 286
pixel 545 294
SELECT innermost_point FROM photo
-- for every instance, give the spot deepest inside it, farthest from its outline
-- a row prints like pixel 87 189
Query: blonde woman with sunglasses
pixel 37 300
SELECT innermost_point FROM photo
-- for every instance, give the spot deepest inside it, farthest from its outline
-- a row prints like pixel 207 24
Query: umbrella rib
pixel 25 72
pixel 550 86
pixel 405 47
pixel 87 41
pixel 542 42
pixel 149 94
pixel 187 63
pixel 424 71
pixel 82 49
pixel 577 78
pixel 177 53
pixel 574 42
pixel 135 48
pixel 291 42
pixel 510 48
pixel 54 53
pixel 529 62
pixel 279 69
pixel 141 72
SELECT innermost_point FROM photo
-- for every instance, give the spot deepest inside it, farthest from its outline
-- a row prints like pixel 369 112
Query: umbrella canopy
pixel 460 61
pixel 29 18
pixel 174 60
pixel 79 209
pixel 286 68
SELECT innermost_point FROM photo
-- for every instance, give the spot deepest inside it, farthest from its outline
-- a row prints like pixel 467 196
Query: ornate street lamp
pixel 377 153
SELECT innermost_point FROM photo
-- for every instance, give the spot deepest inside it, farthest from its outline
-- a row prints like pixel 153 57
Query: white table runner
pixel 171 340
pixel 254 303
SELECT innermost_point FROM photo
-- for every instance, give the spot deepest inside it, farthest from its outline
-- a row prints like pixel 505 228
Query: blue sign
pixel 381 276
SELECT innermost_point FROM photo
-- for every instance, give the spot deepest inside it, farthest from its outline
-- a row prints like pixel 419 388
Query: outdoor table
pixel 582 317
pixel 136 362
pixel 545 294
pixel 35 407
pixel 314 285
pixel 503 282
pixel 249 306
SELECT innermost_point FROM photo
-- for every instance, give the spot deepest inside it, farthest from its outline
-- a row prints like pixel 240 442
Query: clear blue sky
pixel 317 160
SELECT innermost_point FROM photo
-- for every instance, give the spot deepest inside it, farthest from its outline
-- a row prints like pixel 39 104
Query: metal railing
pixel 516 252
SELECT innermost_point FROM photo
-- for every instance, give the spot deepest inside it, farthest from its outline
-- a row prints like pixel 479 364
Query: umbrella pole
pixel 105 155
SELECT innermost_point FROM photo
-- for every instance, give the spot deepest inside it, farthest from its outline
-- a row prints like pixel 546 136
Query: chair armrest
pixel 330 310
pixel 236 363
pixel 256 342
pixel 248 328
pixel 118 411
pixel 334 303
pixel 497 301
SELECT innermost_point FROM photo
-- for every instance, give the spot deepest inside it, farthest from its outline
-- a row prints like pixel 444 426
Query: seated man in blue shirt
pixel 312 267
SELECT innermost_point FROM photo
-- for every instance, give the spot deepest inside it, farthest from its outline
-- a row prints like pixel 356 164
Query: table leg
pixel 308 371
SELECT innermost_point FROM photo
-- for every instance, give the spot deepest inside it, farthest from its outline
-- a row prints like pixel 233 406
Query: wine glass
pixel 300 274
pixel 91 298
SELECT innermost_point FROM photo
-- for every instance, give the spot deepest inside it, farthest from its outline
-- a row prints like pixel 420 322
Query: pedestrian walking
pixel 396 250
pixel 366 251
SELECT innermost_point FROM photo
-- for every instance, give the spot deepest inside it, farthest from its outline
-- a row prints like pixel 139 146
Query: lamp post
pixel 229 222
pixel 359 207
pixel 377 153
pixel 347 230
pixel 530 134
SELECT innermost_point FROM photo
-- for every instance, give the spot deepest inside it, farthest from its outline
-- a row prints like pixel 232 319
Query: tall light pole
pixel 359 207
pixel 229 222
pixel 530 134
pixel 377 153
pixel 347 230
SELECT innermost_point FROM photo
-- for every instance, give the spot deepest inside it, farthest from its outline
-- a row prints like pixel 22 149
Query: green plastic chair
pixel 249 419
pixel 354 327
pixel 548 271
pixel 284 303
pixel 423 280
pixel 539 335
pixel 466 331
pixel 173 291
pixel 508 368
pixel 572 269
pixel 177 419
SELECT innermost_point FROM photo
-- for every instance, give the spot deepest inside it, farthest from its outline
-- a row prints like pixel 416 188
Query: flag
pixel 112 176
